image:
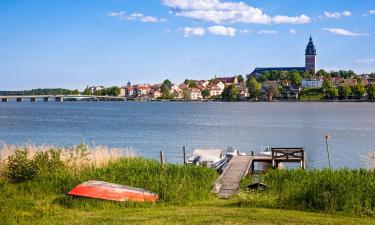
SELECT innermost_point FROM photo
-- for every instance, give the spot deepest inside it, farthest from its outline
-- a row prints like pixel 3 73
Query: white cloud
pixel 372 12
pixel 221 30
pixel 336 15
pixel 218 11
pixel 246 31
pixel 135 16
pixel 116 14
pixel 292 31
pixel 365 61
pixel 193 31
pixel 346 13
pixel 343 32
pixel 267 32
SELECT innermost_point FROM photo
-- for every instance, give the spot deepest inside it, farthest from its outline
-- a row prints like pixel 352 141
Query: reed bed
pixel 77 156
pixel 344 190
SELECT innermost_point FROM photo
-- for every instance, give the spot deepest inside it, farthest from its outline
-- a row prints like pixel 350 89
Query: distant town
pixel 263 84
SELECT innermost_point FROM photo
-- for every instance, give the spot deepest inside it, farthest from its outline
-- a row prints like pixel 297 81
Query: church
pixel 310 62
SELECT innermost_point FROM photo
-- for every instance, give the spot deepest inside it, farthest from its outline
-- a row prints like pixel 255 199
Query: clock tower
pixel 310 57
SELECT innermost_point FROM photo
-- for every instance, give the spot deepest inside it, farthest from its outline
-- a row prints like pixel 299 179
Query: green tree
pixel 240 79
pixel 344 91
pixel 371 92
pixel 295 77
pixel 87 91
pixel 193 84
pixel 187 82
pixel 168 83
pixel 272 91
pixel 166 89
pixel 326 85
pixel 332 93
pixel 75 92
pixel 230 92
pixel 358 90
pixel 205 93
pixel 186 95
pixel 254 87
pixel 322 73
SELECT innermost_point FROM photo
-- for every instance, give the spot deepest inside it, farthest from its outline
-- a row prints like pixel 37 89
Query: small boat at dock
pixel 214 158
pixel 113 192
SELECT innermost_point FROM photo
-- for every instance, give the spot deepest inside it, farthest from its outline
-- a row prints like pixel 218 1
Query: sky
pixel 75 43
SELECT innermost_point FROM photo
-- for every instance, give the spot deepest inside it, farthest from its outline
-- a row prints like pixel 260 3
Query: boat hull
pixel 113 192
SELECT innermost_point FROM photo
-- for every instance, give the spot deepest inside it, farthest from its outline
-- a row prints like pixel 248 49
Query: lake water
pixel 149 127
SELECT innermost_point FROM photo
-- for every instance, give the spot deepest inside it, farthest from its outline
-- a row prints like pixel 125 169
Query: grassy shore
pixel 33 189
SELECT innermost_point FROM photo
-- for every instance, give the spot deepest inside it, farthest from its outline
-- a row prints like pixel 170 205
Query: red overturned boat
pixel 114 192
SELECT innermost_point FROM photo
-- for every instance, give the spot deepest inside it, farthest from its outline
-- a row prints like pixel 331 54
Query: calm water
pixel 150 127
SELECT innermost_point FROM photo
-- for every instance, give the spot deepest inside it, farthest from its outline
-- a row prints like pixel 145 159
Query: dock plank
pixel 228 183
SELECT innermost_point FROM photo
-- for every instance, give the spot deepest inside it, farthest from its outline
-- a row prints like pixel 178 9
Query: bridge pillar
pixel 46 99
pixel 4 100
pixel 19 99
pixel 58 99
pixel 33 99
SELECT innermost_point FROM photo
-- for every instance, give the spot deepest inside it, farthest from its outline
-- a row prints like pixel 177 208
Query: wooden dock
pixel 228 183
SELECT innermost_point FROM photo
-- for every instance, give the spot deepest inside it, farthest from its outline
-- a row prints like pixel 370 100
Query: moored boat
pixel 113 192
pixel 214 158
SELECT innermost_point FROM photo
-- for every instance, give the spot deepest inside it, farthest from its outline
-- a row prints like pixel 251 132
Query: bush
pixel 19 168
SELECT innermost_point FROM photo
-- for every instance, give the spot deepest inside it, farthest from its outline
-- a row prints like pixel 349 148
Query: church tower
pixel 310 57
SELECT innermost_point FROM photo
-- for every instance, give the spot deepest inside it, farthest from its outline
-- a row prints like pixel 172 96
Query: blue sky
pixel 74 43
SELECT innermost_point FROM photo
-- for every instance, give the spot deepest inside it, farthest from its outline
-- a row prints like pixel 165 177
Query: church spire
pixel 310 48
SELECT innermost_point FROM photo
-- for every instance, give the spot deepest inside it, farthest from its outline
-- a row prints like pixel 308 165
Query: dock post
pixel 46 99
pixel 4 100
pixel 303 165
pixel 273 160
pixel 19 99
pixel 161 158
pixel 32 99
pixel 184 153
pixel 252 153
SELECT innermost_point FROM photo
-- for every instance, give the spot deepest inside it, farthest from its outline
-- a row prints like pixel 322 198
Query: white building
pixel 215 91
pixel 312 83
pixel 195 94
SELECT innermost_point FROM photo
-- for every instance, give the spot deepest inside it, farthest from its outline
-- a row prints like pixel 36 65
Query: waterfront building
pixel 215 91
pixel 217 83
pixel 122 91
pixel 228 80
pixel 141 90
pixel 155 94
pixel 195 94
pixel 310 62
pixel 312 83
pixel 129 91
pixel 94 89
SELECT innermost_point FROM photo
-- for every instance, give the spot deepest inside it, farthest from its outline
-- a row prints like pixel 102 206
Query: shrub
pixel 48 162
pixel 19 168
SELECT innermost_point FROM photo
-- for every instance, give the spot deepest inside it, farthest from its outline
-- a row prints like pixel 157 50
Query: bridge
pixel 60 98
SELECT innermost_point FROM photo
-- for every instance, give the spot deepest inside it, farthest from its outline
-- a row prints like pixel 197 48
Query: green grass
pixel 344 190
pixel 184 191
pixel 48 209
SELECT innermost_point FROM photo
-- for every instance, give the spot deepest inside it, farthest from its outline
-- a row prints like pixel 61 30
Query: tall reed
pixel 344 190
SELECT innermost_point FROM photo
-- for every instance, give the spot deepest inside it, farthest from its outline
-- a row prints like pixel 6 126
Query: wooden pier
pixel 228 183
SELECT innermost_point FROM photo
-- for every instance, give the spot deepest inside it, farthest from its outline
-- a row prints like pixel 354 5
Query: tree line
pixel 111 91
pixel 41 91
